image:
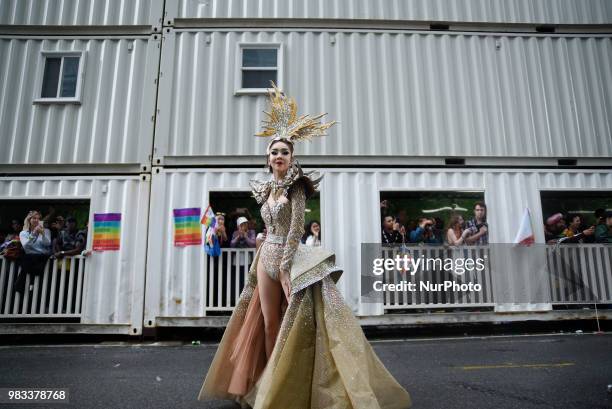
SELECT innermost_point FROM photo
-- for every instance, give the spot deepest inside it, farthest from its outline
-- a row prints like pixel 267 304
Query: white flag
pixel 524 236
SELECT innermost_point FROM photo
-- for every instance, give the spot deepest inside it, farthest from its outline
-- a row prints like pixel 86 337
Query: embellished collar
pixel 262 189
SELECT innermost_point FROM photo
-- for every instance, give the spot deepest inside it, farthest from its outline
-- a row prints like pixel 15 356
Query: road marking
pixel 483 337
pixel 476 367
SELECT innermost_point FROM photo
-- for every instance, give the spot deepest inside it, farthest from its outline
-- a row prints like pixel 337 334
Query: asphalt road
pixel 522 372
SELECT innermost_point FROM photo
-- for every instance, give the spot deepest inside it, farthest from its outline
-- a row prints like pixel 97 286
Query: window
pixel 413 209
pixel 60 79
pixel 259 64
pixel 579 211
pixel 56 291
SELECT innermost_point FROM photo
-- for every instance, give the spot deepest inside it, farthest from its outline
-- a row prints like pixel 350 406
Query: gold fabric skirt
pixel 321 359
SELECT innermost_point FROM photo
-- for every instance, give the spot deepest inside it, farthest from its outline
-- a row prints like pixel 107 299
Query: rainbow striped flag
pixel 107 231
pixel 209 219
pixel 187 229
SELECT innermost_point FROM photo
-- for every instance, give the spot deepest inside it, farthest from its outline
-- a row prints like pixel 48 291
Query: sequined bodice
pixel 284 222
pixel 277 217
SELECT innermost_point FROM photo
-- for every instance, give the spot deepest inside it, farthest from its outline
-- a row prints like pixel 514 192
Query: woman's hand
pixel 285 279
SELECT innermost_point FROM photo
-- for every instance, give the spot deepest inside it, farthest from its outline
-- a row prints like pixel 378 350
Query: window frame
pixel 39 99
pixel 239 90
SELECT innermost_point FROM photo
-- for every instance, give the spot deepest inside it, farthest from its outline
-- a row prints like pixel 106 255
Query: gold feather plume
pixel 282 120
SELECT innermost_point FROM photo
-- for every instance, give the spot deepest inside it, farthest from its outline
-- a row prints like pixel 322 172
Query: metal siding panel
pixel 112 125
pixel 397 94
pixel 80 12
pixel 496 11
pixel 114 285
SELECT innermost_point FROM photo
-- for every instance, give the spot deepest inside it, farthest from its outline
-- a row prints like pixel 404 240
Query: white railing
pixel 408 299
pixel 226 277
pixel 580 273
pixel 56 293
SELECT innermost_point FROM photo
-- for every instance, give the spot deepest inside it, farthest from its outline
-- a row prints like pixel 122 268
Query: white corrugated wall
pixel 350 215
pixel 81 12
pixel 401 94
pixel 114 280
pixel 498 11
pixel 112 125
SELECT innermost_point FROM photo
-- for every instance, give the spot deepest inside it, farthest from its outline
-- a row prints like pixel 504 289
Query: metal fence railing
pixel 226 277
pixel 57 292
pixel 436 274
pixel 580 273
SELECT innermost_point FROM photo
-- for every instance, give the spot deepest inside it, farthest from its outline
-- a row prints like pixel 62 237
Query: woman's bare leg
pixel 270 293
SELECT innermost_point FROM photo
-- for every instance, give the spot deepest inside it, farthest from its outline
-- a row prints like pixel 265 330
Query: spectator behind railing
pixel 312 235
pixel 56 226
pixel 455 235
pixel 438 231
pixel 556 231
pixel 221 230
pixel 16 227
pixel 11 239
pixel 576 231
pixel 243 237
pixel 553 229
pixel 424 233
pixel 36 242
pixel 477 226
pixel 392 232
pixel 70 242
pixel 603 230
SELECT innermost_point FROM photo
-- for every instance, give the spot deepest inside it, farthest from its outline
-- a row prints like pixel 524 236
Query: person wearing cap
pixel 553 229
pixel 243 237
pixel 603 231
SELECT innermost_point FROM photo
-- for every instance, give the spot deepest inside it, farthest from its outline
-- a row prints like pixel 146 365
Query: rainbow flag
pixel 209 219
pixel 187 229
pixel 106 231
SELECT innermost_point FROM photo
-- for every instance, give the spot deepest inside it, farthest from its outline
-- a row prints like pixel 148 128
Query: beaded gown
pixel 321 358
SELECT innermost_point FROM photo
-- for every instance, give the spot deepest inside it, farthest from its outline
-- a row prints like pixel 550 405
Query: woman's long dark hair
pixel 307 231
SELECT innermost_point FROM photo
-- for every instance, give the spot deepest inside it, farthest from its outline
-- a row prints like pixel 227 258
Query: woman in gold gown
pixel 292 342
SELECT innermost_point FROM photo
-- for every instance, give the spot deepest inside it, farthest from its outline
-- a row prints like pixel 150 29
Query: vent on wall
pixel 439 27
pixel 567 162
pixel 545 29
pixel 454 161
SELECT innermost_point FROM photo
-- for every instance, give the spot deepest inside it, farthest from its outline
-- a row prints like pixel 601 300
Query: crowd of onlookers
pixel 558 228
pixel 431 230
pixel 38 238
pixel 571 228
pixel 245 235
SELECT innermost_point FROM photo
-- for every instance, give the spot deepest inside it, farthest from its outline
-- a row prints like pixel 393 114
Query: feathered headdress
pixel 282 120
